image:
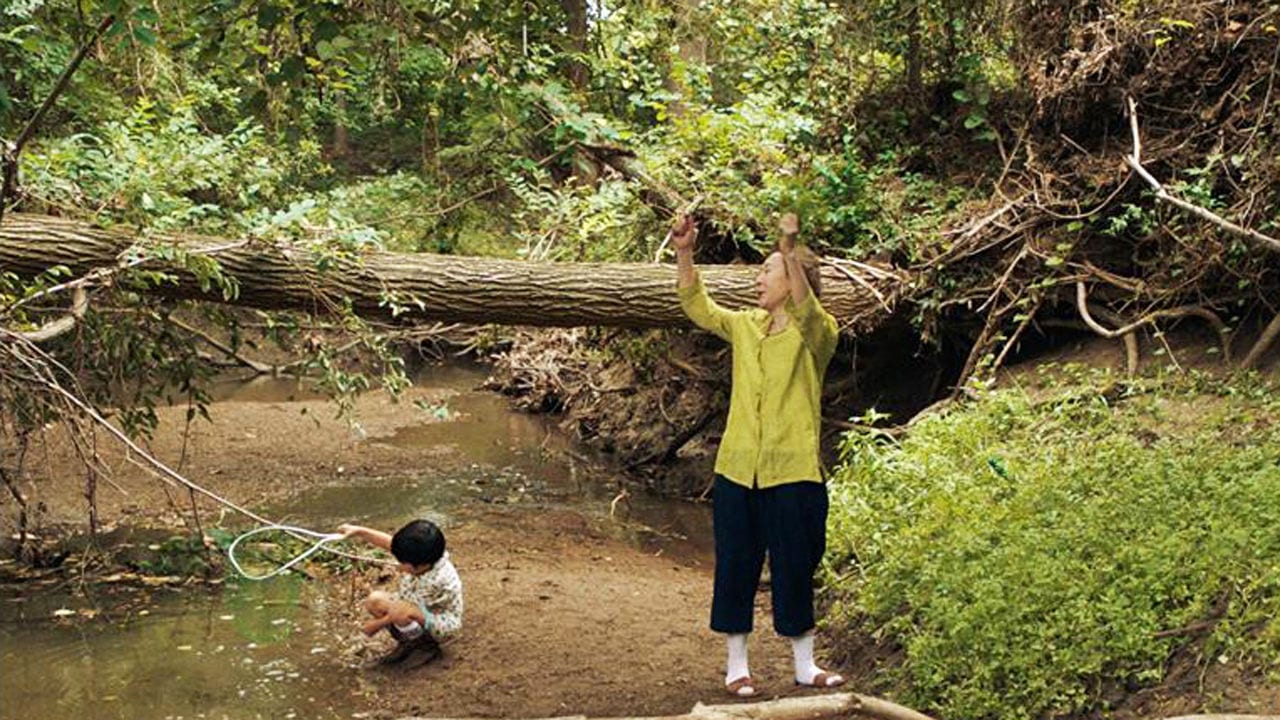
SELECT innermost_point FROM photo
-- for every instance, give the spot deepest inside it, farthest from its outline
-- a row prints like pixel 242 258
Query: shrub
pixel 1025 554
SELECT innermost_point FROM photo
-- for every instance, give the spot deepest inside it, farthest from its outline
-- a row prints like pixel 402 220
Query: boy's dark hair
pixel 418 543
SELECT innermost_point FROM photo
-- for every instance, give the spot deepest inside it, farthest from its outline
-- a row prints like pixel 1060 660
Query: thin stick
pixel 250 363
pixel 1008 346
pixel 871 270
pixel 690 207
pixel 89 411
pixel 878 295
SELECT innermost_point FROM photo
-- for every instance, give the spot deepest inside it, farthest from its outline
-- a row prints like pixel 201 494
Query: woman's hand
pixel 790 227
pixel 684 234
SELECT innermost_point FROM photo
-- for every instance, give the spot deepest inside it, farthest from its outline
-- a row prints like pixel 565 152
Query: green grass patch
pixel 1026 551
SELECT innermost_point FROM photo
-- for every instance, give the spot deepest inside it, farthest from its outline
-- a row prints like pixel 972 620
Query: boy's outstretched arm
pixel 377 538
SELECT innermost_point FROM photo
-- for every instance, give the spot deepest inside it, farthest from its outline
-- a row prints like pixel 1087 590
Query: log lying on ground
pixel 851 705
pixel 430 288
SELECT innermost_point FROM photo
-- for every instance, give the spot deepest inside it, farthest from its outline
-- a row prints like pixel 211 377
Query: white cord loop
pixel 297 532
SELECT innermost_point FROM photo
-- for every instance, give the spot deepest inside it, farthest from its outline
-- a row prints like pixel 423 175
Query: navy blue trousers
pixel 790 522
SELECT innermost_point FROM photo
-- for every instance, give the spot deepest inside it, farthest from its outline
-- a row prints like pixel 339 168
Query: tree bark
pixel 419 288
pixel 575 12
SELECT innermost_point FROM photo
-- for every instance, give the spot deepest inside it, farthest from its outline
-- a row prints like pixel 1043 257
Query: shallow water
pixel 258 649
pixel 247 652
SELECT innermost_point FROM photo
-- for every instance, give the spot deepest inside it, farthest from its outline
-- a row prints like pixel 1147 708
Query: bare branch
pixel 687 209
pixel 38 363
pixel 79 303
pixel 878 295
pixel 1013 339
pixel 1130 338
pixel 797 708
pixel 1134 161
pixel 260 368
pixel 1082 305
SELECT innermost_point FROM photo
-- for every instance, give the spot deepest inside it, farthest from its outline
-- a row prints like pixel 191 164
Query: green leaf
pixel 292 67
pixel 973 121
pixel 962 95
pixel 269 16
pixel 144 35
pixel 326 30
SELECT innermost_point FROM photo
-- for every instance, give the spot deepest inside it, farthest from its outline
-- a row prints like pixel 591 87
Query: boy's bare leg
pixel 379 605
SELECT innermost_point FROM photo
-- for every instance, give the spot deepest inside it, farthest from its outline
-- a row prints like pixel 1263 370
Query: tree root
pixel 1082 305
pixel 1264 343
pixel 1134 161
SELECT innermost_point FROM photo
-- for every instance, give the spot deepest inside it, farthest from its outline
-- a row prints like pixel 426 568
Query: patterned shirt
pixel 438 593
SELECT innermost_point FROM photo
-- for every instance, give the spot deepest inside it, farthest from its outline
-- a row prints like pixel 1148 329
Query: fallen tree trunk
pixel 413 288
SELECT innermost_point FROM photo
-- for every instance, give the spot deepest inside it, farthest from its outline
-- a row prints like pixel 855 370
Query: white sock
pixel 737 665
pixel 802 650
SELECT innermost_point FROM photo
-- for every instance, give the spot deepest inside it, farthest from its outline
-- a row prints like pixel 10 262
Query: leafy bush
pixel 1026 553
pixel 160 168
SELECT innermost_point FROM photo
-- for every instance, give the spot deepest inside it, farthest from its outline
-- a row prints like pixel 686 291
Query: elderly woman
pixel 769 494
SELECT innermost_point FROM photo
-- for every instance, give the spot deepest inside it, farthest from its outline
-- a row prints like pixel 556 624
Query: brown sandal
pixel 743 687
pixel 824 680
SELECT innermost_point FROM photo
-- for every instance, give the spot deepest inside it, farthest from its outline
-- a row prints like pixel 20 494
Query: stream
pixel 260 649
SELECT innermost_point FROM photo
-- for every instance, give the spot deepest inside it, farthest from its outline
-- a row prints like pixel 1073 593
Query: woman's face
pixel 771 283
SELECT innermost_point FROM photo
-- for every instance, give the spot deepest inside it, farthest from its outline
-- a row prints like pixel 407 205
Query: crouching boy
pixel 427 605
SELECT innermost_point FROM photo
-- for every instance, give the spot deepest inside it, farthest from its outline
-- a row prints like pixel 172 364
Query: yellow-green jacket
pixel 771 436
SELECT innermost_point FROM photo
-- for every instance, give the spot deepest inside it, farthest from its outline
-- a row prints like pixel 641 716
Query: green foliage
pixel 158 167
pixel 608 222
pixel 182 555
pixel 1025 552
pixel 37 42
pixel 139 362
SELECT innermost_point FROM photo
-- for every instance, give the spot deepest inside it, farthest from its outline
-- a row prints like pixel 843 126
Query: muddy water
pixel 259 649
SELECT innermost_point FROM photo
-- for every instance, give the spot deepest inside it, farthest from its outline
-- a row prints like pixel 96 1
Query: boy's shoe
pixel 398 654
pixel 421 651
